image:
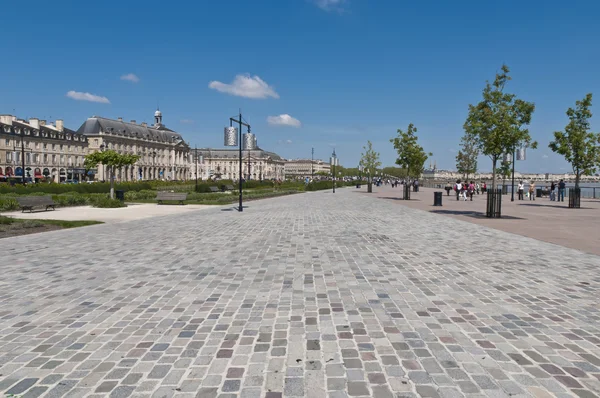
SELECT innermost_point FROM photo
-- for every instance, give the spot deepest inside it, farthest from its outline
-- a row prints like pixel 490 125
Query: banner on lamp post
pixel 521 155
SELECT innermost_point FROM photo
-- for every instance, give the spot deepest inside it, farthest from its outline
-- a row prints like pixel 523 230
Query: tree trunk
pixel 577 176
pixel 369 187
pixel 494 161
pixel 112 182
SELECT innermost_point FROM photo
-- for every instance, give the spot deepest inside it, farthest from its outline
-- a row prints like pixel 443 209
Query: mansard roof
pixel 96 125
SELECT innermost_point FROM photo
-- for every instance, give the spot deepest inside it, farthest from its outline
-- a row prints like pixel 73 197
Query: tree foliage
pixel 369 161
pixel 577 143
pixel 397 172
pixel 497 123
pixel 411 156
pixel 111 159
pixel 466 159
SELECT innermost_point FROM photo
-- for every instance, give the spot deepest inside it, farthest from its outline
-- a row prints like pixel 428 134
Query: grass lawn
pixel 223 200
pixel 18 226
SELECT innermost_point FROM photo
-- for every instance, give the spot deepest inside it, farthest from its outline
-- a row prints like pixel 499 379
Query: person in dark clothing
pixel 561 191
pixel 552 193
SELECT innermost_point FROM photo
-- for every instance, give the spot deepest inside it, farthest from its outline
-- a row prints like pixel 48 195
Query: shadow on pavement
pixel 555 206
pixel 390 198
pixel 471 213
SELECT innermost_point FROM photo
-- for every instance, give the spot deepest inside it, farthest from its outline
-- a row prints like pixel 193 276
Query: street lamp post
pixel 102 147
pixel 241 123
pixel 512 190
pixel 312 164
pixel 333 162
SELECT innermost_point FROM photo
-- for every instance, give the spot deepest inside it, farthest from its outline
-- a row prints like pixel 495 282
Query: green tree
pixel 369 161
pixel 113 161
pixel 411 156
pixel 466 159
pixel 577 143
pixel 497 122
pixel 394 171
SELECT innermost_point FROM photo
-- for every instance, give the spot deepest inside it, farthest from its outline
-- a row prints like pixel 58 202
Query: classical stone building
pixel 164 154
pixel 50 150
pixel 257 164
pixel 305 168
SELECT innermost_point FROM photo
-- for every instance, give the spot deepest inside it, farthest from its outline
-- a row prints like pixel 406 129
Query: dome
pixel 157 113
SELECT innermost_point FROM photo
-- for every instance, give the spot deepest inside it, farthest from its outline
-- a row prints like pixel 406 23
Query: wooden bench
pixel 173 196
pixel 229 187
pixel 214 189
pixel 29 202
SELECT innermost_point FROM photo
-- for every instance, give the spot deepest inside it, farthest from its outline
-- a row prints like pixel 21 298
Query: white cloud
pixel 330 5
pixel 544 156
pixel 80 96
pixel 452 150
pixel 283 120
pixel 130 77
pixel 288 141
pixel 245 86
pixel 186 121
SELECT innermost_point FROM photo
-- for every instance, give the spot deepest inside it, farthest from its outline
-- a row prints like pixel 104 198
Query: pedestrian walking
pixel 532 191
pixel 521 190
pixel 458 188
pixel 552 191
pixel 561 191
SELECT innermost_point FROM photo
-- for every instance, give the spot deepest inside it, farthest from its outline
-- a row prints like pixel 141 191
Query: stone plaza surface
pixel 133 211
pixel 313 295
pixel 540 219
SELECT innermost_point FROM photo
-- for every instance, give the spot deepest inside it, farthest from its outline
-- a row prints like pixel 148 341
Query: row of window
pixel 46 134
pixel 35 158
pixel 8 143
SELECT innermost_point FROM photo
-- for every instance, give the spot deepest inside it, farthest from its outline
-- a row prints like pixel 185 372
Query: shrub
pixel 8 203
pixel 6 220
pixel 140 195
pixel 107 203
pixel 53 188
pixel 31 224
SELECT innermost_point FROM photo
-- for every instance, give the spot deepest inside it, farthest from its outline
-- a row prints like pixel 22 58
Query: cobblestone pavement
pixel 312 295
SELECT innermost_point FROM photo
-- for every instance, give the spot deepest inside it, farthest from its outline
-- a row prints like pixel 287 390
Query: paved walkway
pixel 541 219
pixel 311 295
pixel 134 211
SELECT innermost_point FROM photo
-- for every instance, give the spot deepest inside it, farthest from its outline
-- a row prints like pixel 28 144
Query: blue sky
pixel 347 71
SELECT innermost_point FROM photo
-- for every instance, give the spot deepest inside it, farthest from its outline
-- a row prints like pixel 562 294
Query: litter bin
pixel 120 195
pixel 538 193
pixel 437 198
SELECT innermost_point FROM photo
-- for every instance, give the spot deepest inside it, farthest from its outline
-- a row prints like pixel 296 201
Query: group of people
pixel 466 189
pixel 556 191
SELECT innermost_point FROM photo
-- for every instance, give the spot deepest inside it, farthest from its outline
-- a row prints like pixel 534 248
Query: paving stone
pixel 321 295
pixel 356 388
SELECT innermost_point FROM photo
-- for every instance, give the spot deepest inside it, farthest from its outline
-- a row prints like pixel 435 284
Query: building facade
pixel 257 164
pixel 37 150
pixel 164 155
pixel 305 168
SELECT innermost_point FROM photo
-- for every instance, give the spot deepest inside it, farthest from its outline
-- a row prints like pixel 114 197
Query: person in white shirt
pixel 521 189
pixel 458 189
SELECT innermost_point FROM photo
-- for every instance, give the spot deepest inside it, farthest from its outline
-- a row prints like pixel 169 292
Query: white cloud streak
pixel 81 96
pixel 186 121
pixel 284 120
pixel 245 86
pixel 330 5
pixel 130 77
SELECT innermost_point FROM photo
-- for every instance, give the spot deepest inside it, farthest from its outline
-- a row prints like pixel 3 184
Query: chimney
pixel 60 126
pixel 133 122
pixel 34 122
pixel 42 122
pixel 120 119
pixel 144 124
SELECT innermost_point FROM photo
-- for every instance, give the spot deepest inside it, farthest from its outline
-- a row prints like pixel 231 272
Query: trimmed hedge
pixel 97 187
